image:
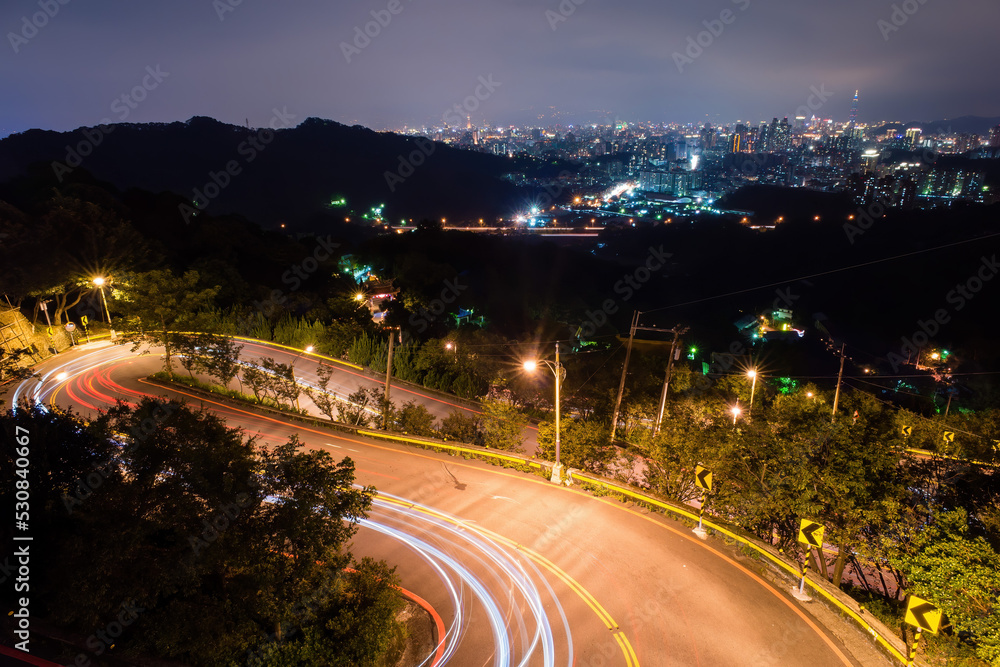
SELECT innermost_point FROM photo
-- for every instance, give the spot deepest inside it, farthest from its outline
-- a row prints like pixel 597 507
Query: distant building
pixel 678 182
pixel 994 140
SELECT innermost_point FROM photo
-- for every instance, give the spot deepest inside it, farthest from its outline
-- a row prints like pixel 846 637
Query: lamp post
pixel 736 413
pixel 99 281
pixel 752 374
pixel 557 370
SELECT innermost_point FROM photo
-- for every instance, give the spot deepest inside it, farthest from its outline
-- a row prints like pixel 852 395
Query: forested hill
pixel 291 175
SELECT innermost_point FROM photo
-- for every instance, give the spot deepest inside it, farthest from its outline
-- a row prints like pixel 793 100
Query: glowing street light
pixel 559 371
pixel 99 282
pixel 752 374
pixel 736 413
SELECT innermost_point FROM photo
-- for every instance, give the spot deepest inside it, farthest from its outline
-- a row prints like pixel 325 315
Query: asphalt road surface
pixel 518 570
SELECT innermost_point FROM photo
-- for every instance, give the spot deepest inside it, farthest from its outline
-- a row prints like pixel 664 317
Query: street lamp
pixel 559 371
pixel 736 413
pixel 752 374
pixel 99 282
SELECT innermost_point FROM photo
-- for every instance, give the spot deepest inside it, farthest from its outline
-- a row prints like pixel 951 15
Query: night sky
pixel 608 60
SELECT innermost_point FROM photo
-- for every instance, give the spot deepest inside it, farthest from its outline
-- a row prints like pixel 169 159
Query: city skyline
pixel 392 64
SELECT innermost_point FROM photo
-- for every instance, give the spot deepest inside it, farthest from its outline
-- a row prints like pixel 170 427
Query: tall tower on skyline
pixel 854 109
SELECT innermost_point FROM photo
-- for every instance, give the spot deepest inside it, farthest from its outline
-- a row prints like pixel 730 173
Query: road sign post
pixel 703 480
pixel 925 617
pixel 810 535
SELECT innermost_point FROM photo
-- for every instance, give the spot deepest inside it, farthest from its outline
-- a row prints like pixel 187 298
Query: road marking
pixel 573 585
pixel 486 468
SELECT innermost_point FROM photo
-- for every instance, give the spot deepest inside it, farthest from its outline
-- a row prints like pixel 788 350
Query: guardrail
pixel 934 455
pixel 882 635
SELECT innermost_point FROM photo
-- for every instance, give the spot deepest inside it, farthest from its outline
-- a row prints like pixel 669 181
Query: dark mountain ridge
pixel 289 175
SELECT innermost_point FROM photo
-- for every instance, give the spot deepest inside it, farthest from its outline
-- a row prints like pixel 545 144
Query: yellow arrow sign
pixel 703 478
pixel 907 431
pixel 949 436
pixel 922 614
pixel 811 533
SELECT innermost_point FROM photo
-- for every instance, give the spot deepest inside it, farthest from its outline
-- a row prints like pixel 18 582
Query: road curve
pixel 522 572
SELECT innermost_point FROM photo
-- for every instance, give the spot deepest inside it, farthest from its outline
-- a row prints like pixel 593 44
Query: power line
pixel 823 273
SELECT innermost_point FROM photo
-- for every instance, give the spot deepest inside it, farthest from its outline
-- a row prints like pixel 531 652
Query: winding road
pixel 519 571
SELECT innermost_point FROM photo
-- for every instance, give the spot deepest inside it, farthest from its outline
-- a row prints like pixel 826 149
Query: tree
pixel 158 305
pixel 221 358
pixel 324 400
pixel 415 419
pixel 365 406
pixel 945 563
pixel 235 539
pixel 189 348
pixel 281 381
pixel 582 445
pixel 462 427
pixel 503 424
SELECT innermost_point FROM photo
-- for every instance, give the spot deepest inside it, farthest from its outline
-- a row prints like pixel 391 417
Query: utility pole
pixel 677 331
pixel 948 407
pixel 621 385
pixel 388 381
pixel 840 376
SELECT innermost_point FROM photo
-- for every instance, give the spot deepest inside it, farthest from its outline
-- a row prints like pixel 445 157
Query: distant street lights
pixel 99 282
pixel 560 372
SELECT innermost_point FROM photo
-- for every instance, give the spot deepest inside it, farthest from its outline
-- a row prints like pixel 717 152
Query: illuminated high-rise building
pixel 913 137
pixel 854 109
pixel 994 141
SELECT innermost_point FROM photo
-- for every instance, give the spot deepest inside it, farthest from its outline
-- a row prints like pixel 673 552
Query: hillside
pixel 291 178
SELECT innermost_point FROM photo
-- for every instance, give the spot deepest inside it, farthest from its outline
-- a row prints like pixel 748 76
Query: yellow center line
pixel 630 658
